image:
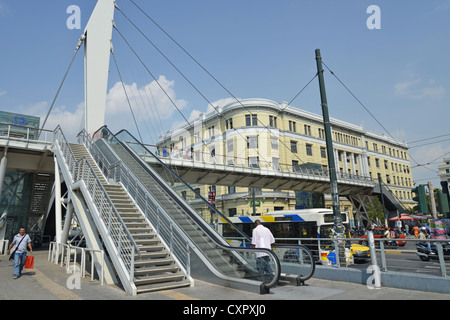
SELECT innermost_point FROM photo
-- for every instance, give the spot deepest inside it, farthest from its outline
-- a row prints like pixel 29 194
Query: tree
pixel 375 210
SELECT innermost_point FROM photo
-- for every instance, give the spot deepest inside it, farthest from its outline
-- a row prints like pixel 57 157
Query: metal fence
pixel 72 257
pixel 387 254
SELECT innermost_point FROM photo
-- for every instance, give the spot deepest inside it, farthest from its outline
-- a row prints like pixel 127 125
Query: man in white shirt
pixel 262 238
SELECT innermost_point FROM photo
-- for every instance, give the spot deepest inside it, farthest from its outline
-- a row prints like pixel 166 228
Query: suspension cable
pixel 80 42
pixel 126 95
pixel 202 67
pixel 368 111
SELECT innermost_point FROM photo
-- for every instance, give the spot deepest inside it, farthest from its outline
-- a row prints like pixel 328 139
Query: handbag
pixel 11 257
pixel 29 262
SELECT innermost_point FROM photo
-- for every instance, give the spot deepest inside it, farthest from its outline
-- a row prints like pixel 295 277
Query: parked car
pixel 360 253
pixel 378 233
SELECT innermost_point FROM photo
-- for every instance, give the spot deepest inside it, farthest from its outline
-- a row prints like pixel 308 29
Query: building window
pixel 253 162
pixel 293 146
pixel 275 163
pixel 321 133
pixel 252 142
pixel 309 149
pixel 377 162
pixel 307 130
pixel 274 142
pixel 211 132
pixel 292 126
pixel 232 212
pixel 229 123
pixel 323 152
pixel 272 121
pixel 248 121
pixel 251 120
pixel 230 145
pixel 231 189
pixel 295 166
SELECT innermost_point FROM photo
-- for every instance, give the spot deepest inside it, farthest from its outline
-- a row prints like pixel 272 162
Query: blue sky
pixel 256 49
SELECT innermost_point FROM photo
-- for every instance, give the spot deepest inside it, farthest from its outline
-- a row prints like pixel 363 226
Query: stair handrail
pixel 77 168
pixel 224 246
pixel 211 234
pixel 177 236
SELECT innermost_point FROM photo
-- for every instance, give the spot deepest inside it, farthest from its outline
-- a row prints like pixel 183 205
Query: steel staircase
pixel 154 268
pixel 198 236
pixel 196 244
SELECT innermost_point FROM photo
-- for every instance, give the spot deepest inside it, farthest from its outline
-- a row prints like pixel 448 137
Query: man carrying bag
pixel 21 242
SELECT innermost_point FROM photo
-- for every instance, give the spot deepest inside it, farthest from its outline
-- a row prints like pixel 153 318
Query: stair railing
pixel 170 233
pixel 244 257
pixel 81 170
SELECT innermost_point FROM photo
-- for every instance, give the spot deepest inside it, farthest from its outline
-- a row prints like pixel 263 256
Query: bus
pixel 290 226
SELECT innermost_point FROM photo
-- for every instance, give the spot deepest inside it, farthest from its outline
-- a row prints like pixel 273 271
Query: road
pixel 405 259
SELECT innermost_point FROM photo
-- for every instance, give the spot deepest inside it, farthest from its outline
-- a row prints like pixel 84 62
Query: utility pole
pixel 338 226
pixel 382 199
pixel 432 201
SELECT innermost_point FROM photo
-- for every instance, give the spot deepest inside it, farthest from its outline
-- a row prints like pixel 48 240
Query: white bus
pixel 288 226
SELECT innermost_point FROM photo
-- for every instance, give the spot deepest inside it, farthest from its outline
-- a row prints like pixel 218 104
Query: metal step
pixel 159 287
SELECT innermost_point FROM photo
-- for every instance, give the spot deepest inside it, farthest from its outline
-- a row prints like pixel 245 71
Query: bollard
pixel 374 267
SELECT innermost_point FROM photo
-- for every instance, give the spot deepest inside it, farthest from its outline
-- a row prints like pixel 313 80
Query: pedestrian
pixel 21 241
pixel 262 238
pixel 422 234
pixel 416 231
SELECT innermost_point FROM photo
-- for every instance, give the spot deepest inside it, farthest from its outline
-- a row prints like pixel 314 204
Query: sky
pixel 254 49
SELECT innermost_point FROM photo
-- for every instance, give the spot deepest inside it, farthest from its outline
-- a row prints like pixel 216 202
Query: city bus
pixel 290 226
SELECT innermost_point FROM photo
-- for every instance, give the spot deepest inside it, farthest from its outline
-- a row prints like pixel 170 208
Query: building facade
pixel 266 134
pixel 444 172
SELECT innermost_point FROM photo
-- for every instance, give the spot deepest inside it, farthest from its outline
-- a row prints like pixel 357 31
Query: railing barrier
pixel 61 253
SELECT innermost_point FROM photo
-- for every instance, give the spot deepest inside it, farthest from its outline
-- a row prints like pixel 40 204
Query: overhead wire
pixel 80 42
pixel 203 68
pixel 362 104
pixel 126 95
pixel 373 116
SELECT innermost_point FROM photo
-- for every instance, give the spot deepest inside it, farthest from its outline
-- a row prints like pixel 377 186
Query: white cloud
pixel 118 115
pixel 2 93
pixel 150 104
pixel 415 90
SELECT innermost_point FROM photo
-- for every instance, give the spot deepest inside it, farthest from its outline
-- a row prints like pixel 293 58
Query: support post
pixel 58 210
pixel 339 227
pixel 380 182
pixel 97 46
pixel 3 165
pixel 432 200
pixel 67 223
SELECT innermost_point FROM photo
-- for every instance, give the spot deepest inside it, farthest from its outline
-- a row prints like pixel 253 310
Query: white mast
pixel 97 45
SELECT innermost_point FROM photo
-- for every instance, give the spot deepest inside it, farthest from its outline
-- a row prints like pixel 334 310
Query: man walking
pixel 262 238
pixel 21 241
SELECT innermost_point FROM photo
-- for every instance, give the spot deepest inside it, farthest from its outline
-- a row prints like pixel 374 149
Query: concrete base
pixel 399 280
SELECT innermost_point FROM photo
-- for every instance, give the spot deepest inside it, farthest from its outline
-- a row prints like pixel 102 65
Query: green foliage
pixel 375 210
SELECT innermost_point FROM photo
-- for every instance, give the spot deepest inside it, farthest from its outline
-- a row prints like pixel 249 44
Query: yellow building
pixel 263 133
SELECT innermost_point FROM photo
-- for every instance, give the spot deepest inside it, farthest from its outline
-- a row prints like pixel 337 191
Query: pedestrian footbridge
pixel 152 237
pixel 129 204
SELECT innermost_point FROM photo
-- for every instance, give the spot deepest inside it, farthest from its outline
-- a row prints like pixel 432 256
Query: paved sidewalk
pixel 48 281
